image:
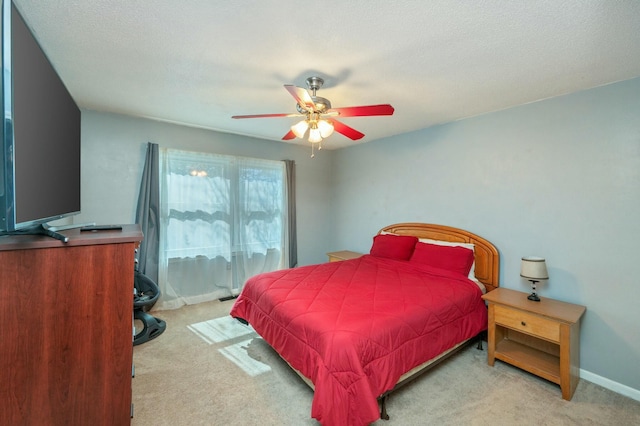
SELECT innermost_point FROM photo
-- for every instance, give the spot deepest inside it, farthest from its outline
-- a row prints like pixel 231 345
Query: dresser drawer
pixel 527 323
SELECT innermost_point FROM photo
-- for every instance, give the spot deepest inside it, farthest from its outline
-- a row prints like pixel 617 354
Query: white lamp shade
pixel 314 135
pixel 326 128
pixel 534 268
pixel 299 129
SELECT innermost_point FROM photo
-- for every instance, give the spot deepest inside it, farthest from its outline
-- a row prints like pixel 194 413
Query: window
pixel 222 221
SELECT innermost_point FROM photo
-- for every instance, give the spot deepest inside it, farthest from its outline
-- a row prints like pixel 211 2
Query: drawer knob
pixel 523 323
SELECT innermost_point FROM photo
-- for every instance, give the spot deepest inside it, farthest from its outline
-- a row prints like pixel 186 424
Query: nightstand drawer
pixel 527 323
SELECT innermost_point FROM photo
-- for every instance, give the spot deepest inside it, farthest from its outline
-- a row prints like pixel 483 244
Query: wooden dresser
pixel 66 328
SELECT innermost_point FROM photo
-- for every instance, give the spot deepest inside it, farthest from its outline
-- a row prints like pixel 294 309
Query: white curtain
pixel 223 220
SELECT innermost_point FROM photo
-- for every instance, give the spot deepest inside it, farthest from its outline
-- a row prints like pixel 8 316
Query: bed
pixel 356 330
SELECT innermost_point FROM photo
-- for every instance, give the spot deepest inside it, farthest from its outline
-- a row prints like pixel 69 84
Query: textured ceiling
pixel 198 62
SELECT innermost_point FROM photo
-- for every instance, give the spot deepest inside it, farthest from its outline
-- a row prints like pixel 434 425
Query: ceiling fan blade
pixel 290 135
pixel 301 96
pixel 365 110
pixel 267 115
pixel 349 132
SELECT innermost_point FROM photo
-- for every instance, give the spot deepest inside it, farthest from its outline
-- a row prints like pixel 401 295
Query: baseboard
pixel 224 299
pixel 610 384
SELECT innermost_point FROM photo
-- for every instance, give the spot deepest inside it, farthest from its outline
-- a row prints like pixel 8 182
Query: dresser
pixel 66 311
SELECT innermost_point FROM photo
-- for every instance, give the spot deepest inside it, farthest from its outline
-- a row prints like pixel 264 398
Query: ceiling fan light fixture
pixel 300 128
pixel 325 127
pixel 314 134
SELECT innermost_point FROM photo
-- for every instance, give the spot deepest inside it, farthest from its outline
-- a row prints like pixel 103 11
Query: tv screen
pixel 41 133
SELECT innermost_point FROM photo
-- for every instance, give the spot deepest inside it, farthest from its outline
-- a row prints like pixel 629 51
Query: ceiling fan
pixel 318 115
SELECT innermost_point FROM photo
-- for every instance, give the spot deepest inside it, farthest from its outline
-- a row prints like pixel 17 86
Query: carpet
pixel 208 369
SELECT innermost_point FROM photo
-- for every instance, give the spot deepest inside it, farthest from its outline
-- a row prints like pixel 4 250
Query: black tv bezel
pixel 9 219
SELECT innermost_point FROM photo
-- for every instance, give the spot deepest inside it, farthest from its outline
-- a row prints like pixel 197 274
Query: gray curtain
pixel 291 212
pixel 148 214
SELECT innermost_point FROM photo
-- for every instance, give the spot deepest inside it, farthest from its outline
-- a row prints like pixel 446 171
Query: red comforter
pixel 354 327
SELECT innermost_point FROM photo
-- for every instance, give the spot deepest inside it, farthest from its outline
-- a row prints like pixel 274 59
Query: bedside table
pixel 337 256
pixel 542 338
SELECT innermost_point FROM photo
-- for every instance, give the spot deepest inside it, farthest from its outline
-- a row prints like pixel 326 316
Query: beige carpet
pixel 207 370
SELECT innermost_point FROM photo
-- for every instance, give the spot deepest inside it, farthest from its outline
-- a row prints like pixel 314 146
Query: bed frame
pixel 487 271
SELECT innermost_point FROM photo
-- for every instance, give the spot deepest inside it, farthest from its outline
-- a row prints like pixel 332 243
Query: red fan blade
pixel 362 111
pixel 266 115
pixel 349 132
pixel 301 96
pixel 289 136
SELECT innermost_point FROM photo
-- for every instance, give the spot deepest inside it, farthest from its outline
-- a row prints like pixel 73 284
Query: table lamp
pixel 534 269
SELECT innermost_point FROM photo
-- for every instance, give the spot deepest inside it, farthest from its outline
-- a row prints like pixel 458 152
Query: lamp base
pixel 534 297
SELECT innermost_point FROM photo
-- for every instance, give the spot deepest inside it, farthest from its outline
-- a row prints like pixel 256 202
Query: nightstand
pixel 336 256
pixel 542 338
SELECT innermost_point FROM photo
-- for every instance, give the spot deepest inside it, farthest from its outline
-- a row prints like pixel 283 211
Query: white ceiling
pixel 198 62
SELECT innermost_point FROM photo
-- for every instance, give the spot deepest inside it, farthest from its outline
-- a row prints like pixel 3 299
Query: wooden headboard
pixel 487 269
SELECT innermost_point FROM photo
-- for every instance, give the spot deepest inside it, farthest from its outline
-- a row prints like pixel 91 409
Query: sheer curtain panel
pixel 223 220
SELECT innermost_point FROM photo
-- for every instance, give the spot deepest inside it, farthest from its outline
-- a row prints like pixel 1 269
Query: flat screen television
pixel 40 157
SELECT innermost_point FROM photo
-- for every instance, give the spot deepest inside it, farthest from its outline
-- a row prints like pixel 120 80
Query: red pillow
pixel 398 247
pixel 455 259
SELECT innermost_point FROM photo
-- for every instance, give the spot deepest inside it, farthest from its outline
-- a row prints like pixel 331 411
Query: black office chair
pixel 146 293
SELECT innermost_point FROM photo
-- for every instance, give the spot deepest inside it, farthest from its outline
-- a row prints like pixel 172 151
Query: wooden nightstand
pixel 542 338
pixel 336 256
